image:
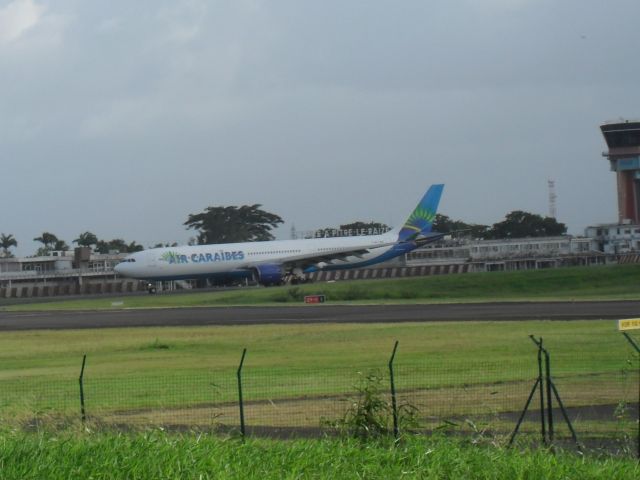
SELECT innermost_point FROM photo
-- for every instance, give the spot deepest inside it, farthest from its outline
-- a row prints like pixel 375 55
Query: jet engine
pixel 269 274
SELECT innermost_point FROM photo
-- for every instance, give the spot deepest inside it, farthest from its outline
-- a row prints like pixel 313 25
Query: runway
pixel 14 321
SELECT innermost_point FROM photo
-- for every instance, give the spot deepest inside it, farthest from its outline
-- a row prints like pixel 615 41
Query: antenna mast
pixel 552 198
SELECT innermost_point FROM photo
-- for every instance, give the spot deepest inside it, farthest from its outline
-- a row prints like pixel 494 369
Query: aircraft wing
pixel 334 256
pixel 423 239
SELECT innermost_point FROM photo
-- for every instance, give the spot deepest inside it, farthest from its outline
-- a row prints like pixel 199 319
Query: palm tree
pixel 6 242
pixel 61 245
pixel 47 239
pixel 49 242
pixel 117 244
pixel 86 239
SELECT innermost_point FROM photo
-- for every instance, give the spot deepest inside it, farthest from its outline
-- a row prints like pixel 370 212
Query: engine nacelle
pixel 269 274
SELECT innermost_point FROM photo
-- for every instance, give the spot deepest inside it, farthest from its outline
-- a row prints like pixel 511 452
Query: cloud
pixel 182 22
pixel 17 18
pixel 500 4
pixel 109 25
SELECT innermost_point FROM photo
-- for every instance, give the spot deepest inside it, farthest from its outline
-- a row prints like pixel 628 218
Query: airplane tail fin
pixel 420 221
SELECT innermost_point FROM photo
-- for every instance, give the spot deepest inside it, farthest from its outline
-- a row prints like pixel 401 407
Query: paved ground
pixel 319 314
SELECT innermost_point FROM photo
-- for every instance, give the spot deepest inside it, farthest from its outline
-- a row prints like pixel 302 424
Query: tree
pixel 47 239
pixel 444 224
pixel 86 239
pixel 166 245
pixel 102 246
pixel 49 243
pixel 134 247
pixel 61 245
pixel 248 223
pixel 6 242
pixel 117 244
pixel 519 224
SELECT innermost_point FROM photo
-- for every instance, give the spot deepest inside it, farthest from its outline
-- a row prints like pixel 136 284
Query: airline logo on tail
pixel 420 221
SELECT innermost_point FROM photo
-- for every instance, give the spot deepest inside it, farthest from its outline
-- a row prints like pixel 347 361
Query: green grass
pixel 158 455
pixel 577 346
pixel 580 283
pixel 187 375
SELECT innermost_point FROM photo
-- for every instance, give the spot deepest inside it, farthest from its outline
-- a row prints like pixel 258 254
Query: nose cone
pixel 125 267
pixel 128 266
pixel 119 268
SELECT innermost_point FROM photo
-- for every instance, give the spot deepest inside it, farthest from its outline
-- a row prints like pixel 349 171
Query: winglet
pixel 420 221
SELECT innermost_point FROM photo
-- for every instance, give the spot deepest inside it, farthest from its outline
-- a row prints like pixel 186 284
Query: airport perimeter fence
pixel 464 396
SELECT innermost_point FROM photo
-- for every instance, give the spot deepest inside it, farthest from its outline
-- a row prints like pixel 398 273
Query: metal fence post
pixel 549 399
pixel 538 383
pixel 81 381
pixel 551 390
pixel 524 411
pixel 239 375
pixel 393 392
pixel 543 428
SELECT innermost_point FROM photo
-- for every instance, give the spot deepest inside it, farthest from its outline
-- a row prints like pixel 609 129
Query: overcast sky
pixel 123 117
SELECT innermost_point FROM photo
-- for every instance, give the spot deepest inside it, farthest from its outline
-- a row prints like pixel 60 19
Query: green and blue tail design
pixel 420 221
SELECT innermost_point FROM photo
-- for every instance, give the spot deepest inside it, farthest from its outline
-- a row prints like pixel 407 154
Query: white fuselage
pixel 208 260
pixel 273 262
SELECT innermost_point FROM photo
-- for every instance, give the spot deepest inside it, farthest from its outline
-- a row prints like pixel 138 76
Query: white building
pixel 510 254
pixel 615 239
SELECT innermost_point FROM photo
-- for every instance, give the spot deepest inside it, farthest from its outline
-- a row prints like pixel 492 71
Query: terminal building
pixel 615 239
pixel 76 272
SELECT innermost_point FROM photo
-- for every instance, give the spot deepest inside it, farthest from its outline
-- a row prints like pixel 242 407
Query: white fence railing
pixel 54 274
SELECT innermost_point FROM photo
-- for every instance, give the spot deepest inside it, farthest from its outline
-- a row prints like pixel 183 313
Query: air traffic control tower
pixel 623 140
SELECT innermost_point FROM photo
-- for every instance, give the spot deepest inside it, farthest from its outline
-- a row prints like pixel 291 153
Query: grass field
pixel 607 282
pixel 577 347
pixel 158 455
pixel 295 375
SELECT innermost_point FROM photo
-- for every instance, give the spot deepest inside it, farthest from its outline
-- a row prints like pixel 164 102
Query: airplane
pixel 284 261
